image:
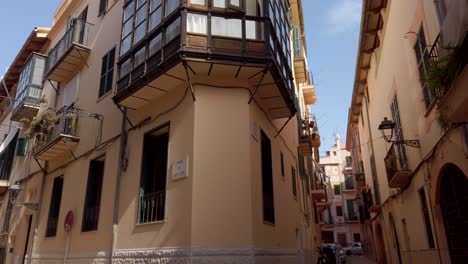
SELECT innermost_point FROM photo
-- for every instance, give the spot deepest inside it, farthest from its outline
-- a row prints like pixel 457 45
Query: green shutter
pixel 350 206
pixel 21 147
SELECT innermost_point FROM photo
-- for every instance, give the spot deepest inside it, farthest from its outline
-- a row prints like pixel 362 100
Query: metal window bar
pixel 152 207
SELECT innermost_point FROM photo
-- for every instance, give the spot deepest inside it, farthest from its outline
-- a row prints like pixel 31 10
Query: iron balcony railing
pixel 152 207
pixel 90 218
pixel 68 123
pixel 79 33
pixel 394 162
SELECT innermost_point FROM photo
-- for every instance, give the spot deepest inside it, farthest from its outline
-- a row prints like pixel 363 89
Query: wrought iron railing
pixel 68 123
pixel 394 162
pixel 152 207
pixel 80 33
pixel 90 218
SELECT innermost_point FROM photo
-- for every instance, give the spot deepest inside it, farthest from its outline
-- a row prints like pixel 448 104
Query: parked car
pixel 334 252
pixel 353 249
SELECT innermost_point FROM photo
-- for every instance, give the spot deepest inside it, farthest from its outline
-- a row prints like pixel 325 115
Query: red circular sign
pixel 68 221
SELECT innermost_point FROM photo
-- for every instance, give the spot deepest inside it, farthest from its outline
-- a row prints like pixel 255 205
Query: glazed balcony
pixel 227 46
pixel 29 92
pixel 64 139
pixel 398 174
pixel 70 53
pixel 308 92
pixel 301 70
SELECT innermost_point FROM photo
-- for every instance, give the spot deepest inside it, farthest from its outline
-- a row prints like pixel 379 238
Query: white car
pixel 354 249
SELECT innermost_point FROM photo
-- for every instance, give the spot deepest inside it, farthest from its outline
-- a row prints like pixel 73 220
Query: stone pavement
pixel 359 260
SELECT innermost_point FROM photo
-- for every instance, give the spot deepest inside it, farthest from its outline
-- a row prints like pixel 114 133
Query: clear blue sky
pixel 332 28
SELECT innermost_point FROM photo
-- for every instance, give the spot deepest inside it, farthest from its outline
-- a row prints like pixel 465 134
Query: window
pixel 197 23
pixel 348 161
pixel 152 200
pixel 198 2
pixel 357 238
pixel 127 27
pixel 155 13
pixel 54 209
pixel 171 6
pixel 140 20
pixel 102 7
pixel 427 220
pixel 350 209
pixel 422 59
pixel 173 30
pixel 337 189
pixel 282 164
pixel 267 180
pixel 221 26
pixel 349 185
pixel 155 45
pixel 294 184
pixel 21 147
pixel 107 72
pixel 339 210
pixel 93 195
pixel 440 10
pixel 399 133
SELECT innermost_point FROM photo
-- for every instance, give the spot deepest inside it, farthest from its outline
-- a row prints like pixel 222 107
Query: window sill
pixel 104 96
pixel 152 223
pixel 268 223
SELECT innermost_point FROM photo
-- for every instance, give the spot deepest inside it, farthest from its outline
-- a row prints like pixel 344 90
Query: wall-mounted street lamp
pixel 386 128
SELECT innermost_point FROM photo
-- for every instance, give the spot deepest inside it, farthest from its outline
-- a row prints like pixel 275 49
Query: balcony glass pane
pixel 198 2
pixel 125 68
pixel 156 18
pixel 155 4
pixel 155 45
pixel 128 12
pixel 234 2
pixel 127 29
pixel 254 30
pixel 171 6
pixel 226 27
pixel 140 32
pixel 197 23
pixel 126 44
pixel 173 30
pixel 140 3
pixel 139 57
pixel 141 15
pixel 219 3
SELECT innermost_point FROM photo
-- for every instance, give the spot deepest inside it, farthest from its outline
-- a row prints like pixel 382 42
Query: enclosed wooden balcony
pixel 398 174
pixel 64 139
pixel 29 92
pixel 309 95
pixel 224 46
pixel 70 53
pixel 318 195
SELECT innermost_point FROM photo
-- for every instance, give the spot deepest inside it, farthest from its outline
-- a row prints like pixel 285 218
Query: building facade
pixel 407 130
pixel 161 131
pixel 340 221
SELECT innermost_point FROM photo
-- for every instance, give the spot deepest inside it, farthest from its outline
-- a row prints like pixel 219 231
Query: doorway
pixel 453 197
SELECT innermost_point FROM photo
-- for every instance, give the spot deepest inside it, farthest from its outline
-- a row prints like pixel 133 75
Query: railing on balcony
pixel 152 207
pixel 29 90
pixel 78 35
pixel 68 123
pixel 396 167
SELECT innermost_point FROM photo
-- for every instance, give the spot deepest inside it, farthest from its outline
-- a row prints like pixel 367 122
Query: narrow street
pixel 359 260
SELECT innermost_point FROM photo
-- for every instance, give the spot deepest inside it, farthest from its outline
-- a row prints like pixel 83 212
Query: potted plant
pixel 42 126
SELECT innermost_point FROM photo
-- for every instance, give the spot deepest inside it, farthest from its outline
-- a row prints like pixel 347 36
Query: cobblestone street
pixel 359 260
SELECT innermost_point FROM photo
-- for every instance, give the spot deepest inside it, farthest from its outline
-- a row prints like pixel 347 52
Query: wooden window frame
pixel 107 70
pixel 103 4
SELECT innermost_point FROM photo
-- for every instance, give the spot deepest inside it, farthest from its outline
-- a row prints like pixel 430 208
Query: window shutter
pixel 21 147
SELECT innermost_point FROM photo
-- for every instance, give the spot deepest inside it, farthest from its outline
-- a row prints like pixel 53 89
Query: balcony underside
pixel 316 141
pixel 318 195
pixel 60 147
pixel 305 148
pixel 300 70
pixel 4 184
pixel 25 110
pixel 152 85
pixel 69 64
pixel 309 94
pixel 400 179
pixel 321 206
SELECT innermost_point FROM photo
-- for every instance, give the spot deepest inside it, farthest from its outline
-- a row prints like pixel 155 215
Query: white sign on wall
pixel 179 169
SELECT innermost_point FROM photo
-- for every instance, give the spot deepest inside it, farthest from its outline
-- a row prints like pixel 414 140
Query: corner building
pixel 175 129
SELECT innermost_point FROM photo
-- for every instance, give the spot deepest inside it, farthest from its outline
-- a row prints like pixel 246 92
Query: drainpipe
pixel 38 213
pixel 123 141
